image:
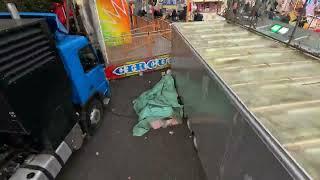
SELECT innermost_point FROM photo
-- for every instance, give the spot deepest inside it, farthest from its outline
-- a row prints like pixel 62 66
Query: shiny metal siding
pixel 278 85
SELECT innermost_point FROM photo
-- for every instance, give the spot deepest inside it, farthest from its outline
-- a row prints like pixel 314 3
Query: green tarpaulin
pixel 160 102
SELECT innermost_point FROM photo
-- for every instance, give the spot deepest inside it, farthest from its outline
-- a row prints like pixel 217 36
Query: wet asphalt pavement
pixel 114 154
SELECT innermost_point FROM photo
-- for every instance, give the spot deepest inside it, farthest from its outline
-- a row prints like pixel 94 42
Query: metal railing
pixel 148 38
pixel 261 16
pixel 141 45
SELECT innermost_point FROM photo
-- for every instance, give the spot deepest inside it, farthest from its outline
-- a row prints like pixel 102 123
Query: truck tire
pixel 93 115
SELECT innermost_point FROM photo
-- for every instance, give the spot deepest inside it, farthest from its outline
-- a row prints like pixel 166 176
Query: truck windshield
pixel 88 58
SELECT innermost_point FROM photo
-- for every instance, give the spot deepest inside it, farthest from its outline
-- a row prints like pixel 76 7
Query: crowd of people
pixel 173 15
pixel 297 11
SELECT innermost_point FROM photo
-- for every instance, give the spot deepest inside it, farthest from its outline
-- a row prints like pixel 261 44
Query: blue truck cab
pixel 90 88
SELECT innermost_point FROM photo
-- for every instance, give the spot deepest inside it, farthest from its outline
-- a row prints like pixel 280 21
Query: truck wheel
pixel 93 115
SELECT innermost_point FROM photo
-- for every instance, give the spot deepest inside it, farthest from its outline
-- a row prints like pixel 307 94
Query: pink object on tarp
pixel 157 124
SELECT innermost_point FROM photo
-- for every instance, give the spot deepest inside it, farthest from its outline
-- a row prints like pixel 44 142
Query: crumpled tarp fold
pixel 160 102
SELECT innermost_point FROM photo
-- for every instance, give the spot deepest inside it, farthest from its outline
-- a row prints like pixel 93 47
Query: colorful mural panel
pixel 114 21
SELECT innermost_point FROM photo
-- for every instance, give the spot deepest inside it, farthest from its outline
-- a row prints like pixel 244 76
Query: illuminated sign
pixel 136 67
pixel 279 29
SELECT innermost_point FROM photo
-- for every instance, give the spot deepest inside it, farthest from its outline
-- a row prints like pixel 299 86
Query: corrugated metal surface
pixel 23 51
pixel 279 85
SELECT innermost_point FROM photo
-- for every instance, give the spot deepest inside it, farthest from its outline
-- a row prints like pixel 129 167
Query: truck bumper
pixel 47 166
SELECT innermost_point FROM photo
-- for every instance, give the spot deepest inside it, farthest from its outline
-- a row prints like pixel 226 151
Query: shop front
pixel 208 6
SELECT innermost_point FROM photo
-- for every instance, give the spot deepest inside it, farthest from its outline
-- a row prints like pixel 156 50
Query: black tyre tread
pixel 85 115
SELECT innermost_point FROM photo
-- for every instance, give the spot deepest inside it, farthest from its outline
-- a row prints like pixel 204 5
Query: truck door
pixel 94 69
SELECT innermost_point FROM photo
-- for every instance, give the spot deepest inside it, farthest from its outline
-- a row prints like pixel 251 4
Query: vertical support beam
pixel 85 20
pixel 76 22
pixel 98 30
pixel 189 10
pixel 13 11
pixel 67 15
pixel 298 21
